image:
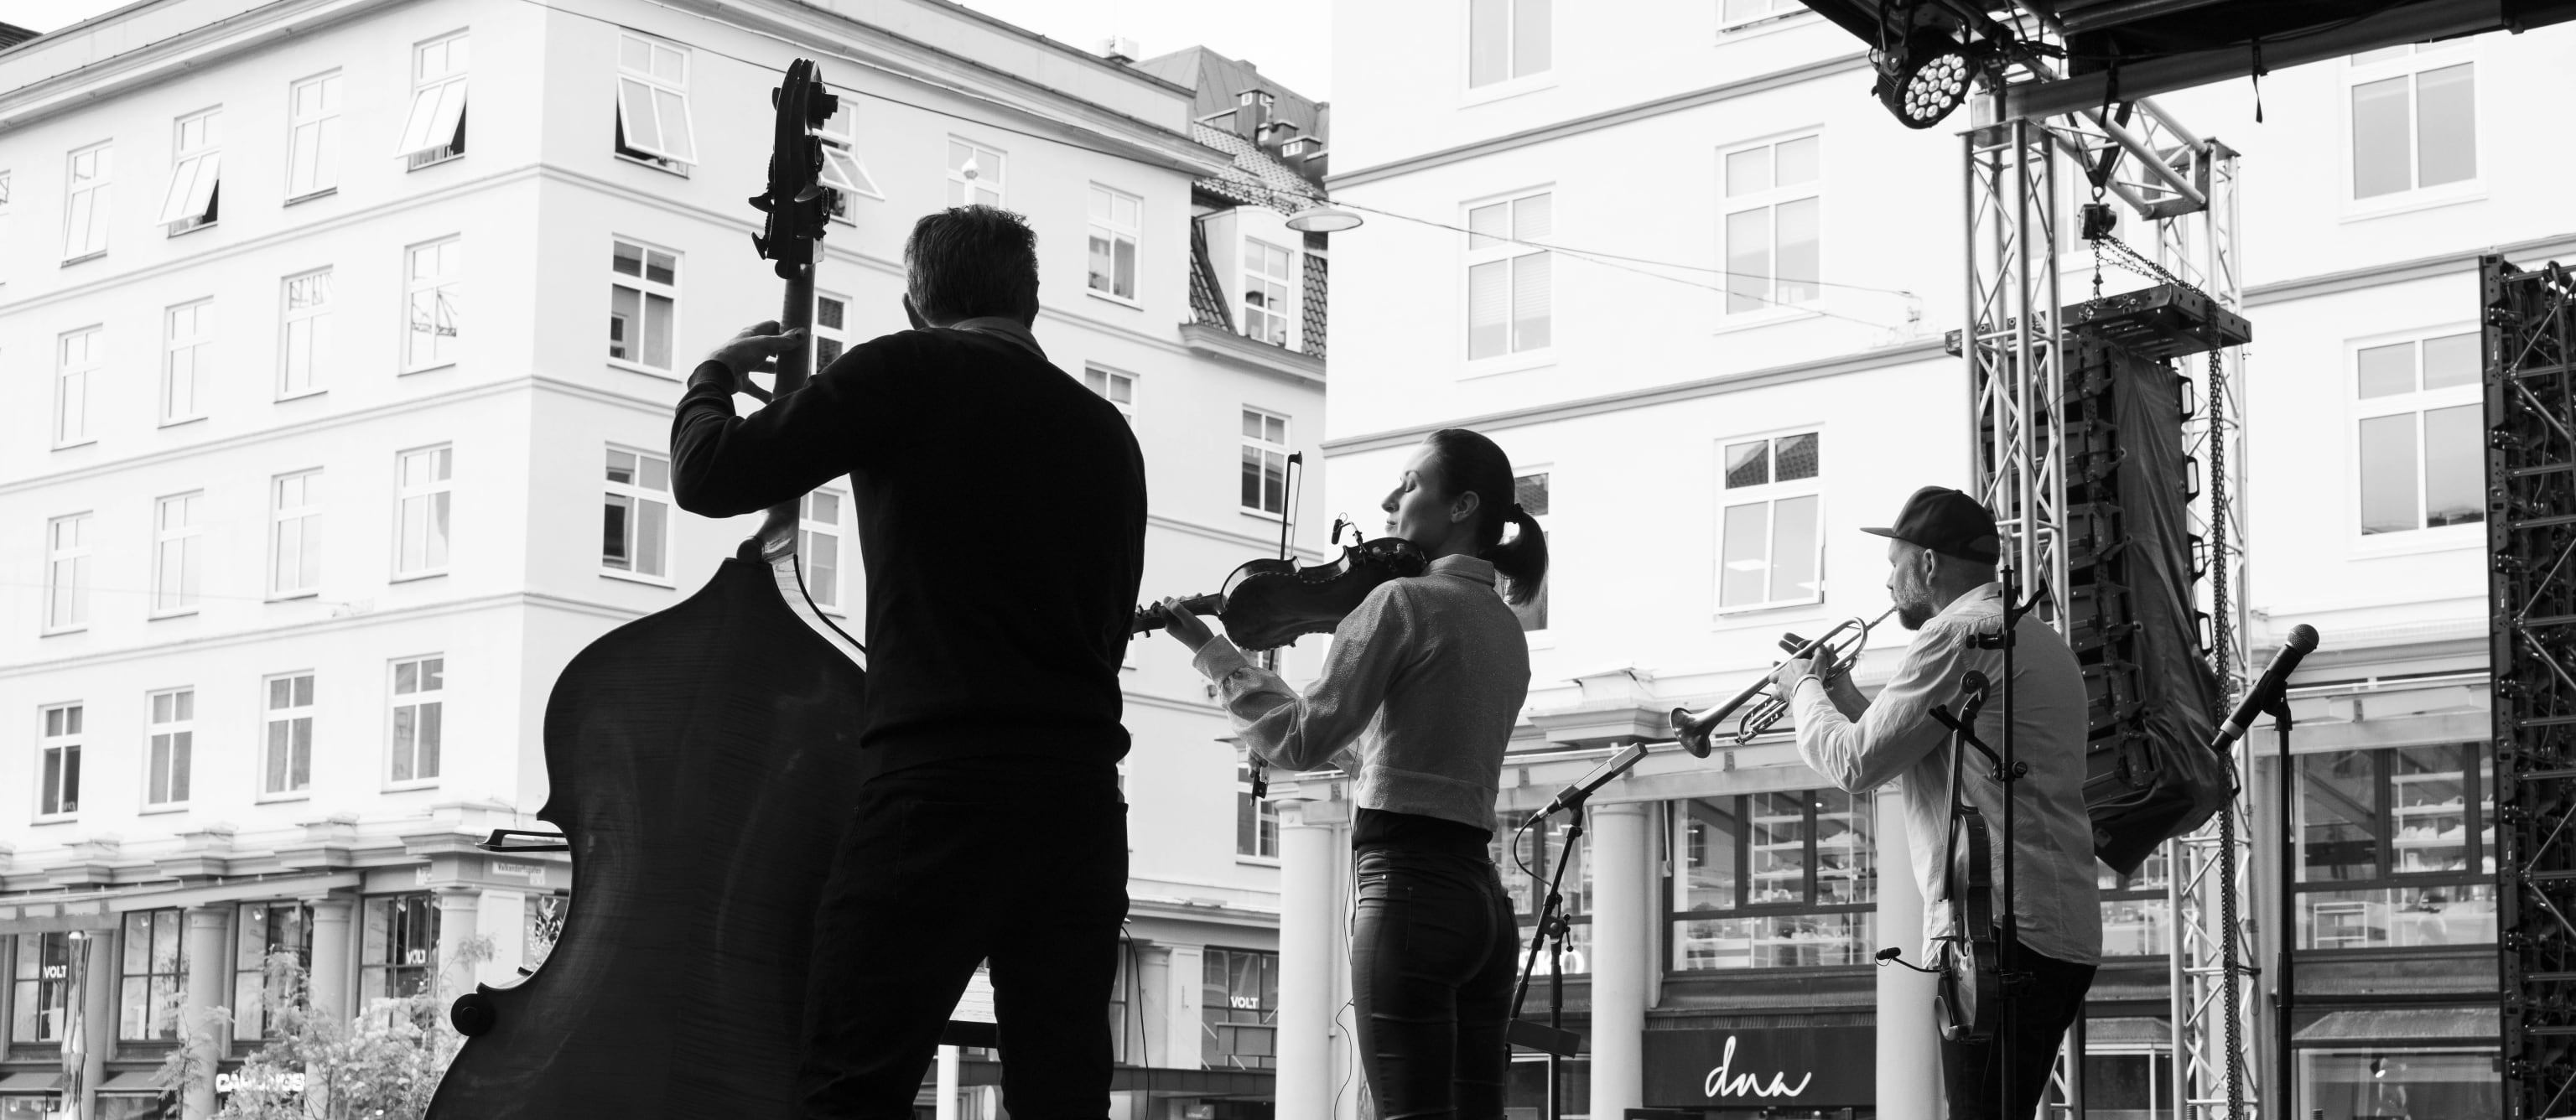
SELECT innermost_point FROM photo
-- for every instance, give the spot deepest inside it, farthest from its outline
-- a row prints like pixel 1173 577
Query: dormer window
pixel 1293 147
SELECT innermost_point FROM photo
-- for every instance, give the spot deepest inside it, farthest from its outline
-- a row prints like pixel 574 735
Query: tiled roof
pixel 1310 336
pixel 1257 178
pixel 1207 300
pixel 1217 83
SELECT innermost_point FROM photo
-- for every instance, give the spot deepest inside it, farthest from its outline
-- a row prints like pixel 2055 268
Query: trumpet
pixel 1844 640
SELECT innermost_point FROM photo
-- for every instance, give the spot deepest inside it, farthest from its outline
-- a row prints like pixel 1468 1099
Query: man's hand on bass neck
pixel 754 350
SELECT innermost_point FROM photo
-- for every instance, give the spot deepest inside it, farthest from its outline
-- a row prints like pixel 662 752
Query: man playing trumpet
pixel 1941 557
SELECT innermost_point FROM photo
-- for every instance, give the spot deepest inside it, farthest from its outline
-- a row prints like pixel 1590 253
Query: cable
pixel 1602 258
pixel 798 560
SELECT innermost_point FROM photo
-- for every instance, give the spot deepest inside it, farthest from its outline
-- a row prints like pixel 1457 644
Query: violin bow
pixel 1291 475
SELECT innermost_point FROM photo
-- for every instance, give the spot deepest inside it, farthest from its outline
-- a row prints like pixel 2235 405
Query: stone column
pixel 98 1016
pixel 1619 914
pixel 944 1106
pixel 1909 1051
pixel 328 979
pixel 457 917
pixel 1307 919
pixel 208 967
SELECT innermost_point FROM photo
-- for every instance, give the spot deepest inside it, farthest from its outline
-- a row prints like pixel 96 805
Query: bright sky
pixel 1290 44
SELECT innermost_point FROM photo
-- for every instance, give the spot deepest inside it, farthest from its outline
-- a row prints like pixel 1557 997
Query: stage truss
pixel 2144 164
pixel 2530 351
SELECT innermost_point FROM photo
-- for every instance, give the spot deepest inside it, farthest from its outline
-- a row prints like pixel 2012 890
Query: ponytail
pixel 1469 462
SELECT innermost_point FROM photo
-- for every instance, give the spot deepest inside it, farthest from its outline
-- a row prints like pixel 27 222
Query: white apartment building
pixel 325 467
pixel 1679 264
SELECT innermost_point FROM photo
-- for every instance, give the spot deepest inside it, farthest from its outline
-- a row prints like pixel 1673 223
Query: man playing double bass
pixel 991 827
pixel 1941 556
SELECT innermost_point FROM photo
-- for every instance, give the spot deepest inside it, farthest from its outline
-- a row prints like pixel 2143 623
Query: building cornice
pixel 1594 122
pixel 166 59
pixel 2399 272
pixel 1233 349
pixel 1836 366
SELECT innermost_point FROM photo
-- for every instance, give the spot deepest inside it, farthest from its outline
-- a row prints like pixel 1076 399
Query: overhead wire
pixel 1602 258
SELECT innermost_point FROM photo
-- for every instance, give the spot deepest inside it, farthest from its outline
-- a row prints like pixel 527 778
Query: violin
pixel 1268 603
pixel 1969 998
pixel 702 762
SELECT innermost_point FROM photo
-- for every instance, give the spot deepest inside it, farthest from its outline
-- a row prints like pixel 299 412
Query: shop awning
pixel 31 1082
pixel 2464 1024
pixel 133 1081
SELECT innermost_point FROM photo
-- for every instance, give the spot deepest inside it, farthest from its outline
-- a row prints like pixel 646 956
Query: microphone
pixel 2266 692
pixel 1600 776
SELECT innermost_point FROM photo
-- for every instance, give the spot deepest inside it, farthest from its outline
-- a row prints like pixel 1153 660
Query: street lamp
pixel 1323 217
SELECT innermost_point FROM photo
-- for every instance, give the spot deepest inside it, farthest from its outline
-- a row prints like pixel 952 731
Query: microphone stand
pixel 1553 1039
pixel 2284 989
pixel 2008 769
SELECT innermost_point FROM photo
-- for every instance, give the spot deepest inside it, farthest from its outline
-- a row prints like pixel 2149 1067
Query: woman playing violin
pixel 1418 696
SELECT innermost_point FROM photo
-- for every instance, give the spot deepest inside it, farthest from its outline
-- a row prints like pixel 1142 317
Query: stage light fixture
pixel 1926 78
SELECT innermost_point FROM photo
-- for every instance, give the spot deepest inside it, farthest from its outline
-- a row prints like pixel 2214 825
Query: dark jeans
pixel 944 866
pixel 1432 964
pixel 1972 1074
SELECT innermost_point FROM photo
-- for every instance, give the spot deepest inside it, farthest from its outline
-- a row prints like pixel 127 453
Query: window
pixel 1239 1009
pixel 643 296
pixel 2422 435
pixel 2396 848
pixel 1736 13
pixel 195 169
pixel 153 986
pixel 286 764
pixel 4 210
pixel 1773 880
pixel 1117 388
pixel 294 536
pixel 268 930
pixel 175 535
pixel 59 762
pixel 1265 463
pixel 419 703
pixel 635 526
pixel 401 954
pixel 1115 217
pixel 422 485
pixel 2136 916
pixel 1529 893
pixel 313 136
pixel 86 210
pixel 1510 298
pixel 818 543
pixel 433 274
pixel 434 132
pixel 1267 280
pixel 67 573
pixel 1506 39
pixel 76 360
pixel 187 334
pixel 1772 218
pixel 306 349
pixel 171 738
pixel 974 174
pixel 831 329
pixel 653 103
pixel 40 1000
pixel 843 171
pixel 1121 1050
pixel 2399 1079
pixel 1256 820
pixel 1770 547
pixel 1530 490
pixel 2414 119
pixel 2130 1080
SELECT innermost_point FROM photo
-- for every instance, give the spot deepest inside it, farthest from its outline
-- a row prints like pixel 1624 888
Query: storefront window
pixel 1512 851
pixel 40 998
pixel 150 996
pixel 401 949
pixel 2366 1084
pixel 2127 1084
pixel 1525 1091
pixel 1239 1009
pixel 280 930
pixel 1773 880
pixel 2136 915
pixel 2396 848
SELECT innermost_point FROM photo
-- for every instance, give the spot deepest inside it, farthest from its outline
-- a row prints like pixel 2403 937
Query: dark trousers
pixel 1972 1074
pixel 1432 964
pixel 945 866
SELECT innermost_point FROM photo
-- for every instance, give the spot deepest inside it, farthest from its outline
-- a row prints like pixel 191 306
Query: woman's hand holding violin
pixel 1183 626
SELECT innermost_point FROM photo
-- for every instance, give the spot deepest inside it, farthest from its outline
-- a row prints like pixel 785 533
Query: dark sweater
pixel 1001 518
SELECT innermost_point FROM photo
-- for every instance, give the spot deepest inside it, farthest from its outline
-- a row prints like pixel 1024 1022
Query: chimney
pixel 1251 114
pixel 1119 49
pixel 1275 135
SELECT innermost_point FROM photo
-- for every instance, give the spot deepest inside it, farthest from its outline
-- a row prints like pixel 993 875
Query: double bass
pixel 702 763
